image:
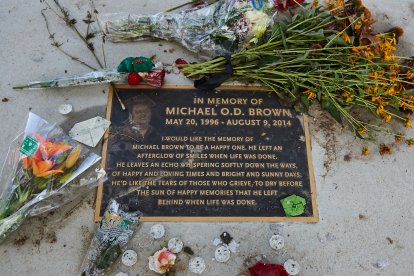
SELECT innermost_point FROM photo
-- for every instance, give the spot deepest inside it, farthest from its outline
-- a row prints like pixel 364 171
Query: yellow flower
pixel 347 97
pixel 362 131
pixel 376 99
pixel 346 38
pixel 315 3
pixel 310 94
pixel 355 49
pixel 405 106
pixel 391 91
pixel 73 157
pixel 386 117
pixel 410 142
pixel 260 31
pixel 365 151
pixel 410 75
pixel 407 122
pixel 388 57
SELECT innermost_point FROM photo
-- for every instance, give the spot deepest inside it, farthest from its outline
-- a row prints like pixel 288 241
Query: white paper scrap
pixel 90 132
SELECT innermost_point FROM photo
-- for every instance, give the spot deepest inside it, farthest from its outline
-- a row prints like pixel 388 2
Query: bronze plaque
pixel 180 154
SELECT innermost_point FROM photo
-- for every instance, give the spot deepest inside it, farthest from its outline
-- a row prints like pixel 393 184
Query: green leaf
pixel 336 39
pixel 335 113
pixel 64 178
pixel 61 158
pixel 358 134
pixel 305 101
pixel 282 29
pixel 318 35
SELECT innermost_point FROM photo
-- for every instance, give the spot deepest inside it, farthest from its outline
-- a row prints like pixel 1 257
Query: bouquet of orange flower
pixel 43 170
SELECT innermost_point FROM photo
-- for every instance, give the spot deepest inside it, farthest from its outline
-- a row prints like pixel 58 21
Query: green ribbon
pixel 135 64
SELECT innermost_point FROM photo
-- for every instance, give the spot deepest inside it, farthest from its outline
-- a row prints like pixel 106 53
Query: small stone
pixel 188 250
pixel 197 265
pixel 277 242
pixel 292 267
pixel 175 245
pixel 157 231
pixel 122 274
pixel 381 264
pixel 226 238
pixel 4 100
pixel 222 254
pixel 129 258
pixel 65 109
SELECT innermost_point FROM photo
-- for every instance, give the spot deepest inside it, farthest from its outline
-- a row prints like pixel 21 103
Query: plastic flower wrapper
pixel 131 69
pixel 44 169
pixel 222 27
pixel 94 77
pixel 162 261
pixel 115 230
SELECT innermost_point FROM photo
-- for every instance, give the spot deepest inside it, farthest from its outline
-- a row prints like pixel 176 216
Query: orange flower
pixel 44 168
pixel 27 163
pixel 49 149
pixel 73 157
pixel 365 151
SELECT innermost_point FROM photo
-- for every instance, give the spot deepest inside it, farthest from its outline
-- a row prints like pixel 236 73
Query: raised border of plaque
pixel 314 217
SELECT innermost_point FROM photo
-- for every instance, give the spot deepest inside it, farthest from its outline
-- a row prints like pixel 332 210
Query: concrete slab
pixel 364 202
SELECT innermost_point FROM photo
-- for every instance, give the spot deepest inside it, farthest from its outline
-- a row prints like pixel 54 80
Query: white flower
pixel 259 22
pixel 161 261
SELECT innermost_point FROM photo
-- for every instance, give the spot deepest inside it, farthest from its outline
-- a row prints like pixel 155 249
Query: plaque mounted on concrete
pixel 180 154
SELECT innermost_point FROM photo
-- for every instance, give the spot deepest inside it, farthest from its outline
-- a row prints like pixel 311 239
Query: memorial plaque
pixel 180 154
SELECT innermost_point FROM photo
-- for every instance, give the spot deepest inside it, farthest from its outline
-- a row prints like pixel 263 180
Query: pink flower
pixel 162 261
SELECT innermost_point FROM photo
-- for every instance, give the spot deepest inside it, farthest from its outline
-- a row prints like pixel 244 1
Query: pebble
pixel 121 274
pixel 65 109
pixel 381 264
